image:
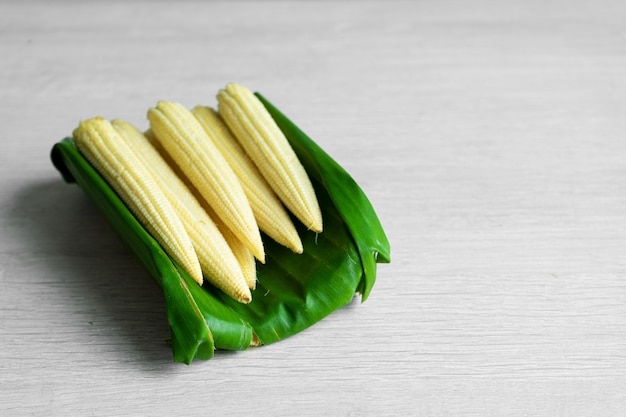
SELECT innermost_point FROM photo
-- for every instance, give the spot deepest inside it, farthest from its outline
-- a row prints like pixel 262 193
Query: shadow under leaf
pixel 105 285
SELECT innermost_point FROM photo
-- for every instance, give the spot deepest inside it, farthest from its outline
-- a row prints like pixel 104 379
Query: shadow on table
pixel 121 307
pixel 106 287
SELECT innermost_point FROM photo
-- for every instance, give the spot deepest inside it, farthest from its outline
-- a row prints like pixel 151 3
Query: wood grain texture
pixel 488 135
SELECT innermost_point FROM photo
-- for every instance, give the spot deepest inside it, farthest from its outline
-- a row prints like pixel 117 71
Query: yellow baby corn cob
pixel 185 140
pixel 242 254
pixel 241 251
pixel 217 260
pixel 270 214
pixel 267 146
pixel 108 153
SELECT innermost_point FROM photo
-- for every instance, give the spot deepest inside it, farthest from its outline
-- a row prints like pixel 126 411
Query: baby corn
pixel 270 214
pixel 110 155
pixel 267 146
pixel 219 264
pixel 241 252
pixel 185 140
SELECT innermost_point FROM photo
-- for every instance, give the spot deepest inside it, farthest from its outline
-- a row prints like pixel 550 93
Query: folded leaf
pixel 350 201
pixel 294 291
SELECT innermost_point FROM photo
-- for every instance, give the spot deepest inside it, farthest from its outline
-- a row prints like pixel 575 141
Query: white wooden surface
pixel 490 136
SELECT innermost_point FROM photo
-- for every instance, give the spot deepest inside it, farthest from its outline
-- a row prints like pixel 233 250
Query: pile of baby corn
pixel 205 183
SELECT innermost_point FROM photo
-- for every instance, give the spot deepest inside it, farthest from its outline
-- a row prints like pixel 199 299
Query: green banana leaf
pixel 293 291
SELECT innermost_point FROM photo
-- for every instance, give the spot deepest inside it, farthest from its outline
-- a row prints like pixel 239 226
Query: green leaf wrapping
pixel 293 291
pixel 347 197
